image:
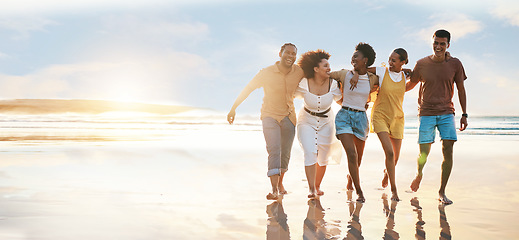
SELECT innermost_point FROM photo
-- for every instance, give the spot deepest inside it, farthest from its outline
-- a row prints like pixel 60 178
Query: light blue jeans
pixel 279 137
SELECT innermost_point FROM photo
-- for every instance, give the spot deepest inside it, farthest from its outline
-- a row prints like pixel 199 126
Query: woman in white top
pixel 315 125
pixel 351 122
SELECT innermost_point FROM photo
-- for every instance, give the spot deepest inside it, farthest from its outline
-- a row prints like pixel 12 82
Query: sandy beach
pixel 181 180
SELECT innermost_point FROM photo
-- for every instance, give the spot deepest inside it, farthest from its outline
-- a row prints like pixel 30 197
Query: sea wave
pixel 110 127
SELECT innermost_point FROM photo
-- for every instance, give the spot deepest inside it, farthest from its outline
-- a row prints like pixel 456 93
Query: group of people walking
pixel 318 130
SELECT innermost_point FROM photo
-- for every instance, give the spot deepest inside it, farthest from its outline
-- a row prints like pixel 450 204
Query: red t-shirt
pixel 437 84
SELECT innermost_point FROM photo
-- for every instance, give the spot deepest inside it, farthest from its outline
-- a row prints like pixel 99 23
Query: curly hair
pixel 311 59
pixel 367 51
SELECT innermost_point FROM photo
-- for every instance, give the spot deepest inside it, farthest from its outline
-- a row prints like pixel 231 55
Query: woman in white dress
pixel 316 121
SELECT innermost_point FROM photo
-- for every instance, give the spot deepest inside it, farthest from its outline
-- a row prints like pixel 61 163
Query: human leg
pixel 287 139
pixel 319 174
pixel 422 159
pixel 281 188
pixel 359 146
pixel 387 145
pixel 447 148
pixel 348 143
pixel 397 145
pixel 310 177
pixel 274 180
pixel 426 134
pixel 388 151
pixel 272 134
pixel 447 129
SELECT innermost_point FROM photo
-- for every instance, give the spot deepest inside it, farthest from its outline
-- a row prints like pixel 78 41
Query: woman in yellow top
pixel 387 115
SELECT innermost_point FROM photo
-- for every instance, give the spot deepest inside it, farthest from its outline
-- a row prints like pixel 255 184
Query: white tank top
pixel 357 97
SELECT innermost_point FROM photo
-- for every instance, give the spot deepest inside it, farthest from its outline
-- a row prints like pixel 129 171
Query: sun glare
pixel 126 84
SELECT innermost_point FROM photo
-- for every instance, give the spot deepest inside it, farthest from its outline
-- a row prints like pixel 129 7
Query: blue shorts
pixel 445 124
pixel 352 122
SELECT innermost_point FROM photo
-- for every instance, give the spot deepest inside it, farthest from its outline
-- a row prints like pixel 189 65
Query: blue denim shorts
pixel 445 124
pixel 352 122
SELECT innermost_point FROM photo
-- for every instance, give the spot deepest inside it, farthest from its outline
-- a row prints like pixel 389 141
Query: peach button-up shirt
pixel 279 90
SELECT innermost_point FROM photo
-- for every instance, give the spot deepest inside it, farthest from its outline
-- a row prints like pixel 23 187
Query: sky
pixel 202 53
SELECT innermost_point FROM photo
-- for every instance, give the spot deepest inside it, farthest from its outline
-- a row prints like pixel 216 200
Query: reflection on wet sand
pixel 420 233
pixel 445 230
pixel 315 227
pixel 389 233
pixel 277 227
pixel 354 227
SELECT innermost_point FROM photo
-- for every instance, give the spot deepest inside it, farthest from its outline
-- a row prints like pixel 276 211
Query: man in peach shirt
pixel 279 82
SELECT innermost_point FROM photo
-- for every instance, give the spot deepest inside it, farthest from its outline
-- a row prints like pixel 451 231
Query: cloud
pixel 17 7
pixel 137 77
pixel 489 92
pixel 459 25
pixel 155 29
pixel 507 12
pixel 24 25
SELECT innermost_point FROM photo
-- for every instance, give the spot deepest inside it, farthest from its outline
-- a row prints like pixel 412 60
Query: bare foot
pixel 319 192
pixel 416 183
pixel 349 186
pixel 349 194
pixel 385 180
pixel 311 195
pixel 282 189
pixel 272 196
pixel 361 198
pixel 443 199
pixel 395 197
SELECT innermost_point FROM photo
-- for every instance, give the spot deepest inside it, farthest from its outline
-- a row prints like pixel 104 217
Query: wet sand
pixel 211 184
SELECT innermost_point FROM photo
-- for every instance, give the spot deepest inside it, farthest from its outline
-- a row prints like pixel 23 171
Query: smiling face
pixel 440 46
pixel 358 61
pixel 288 56
pixel 395 65
pixel 323 69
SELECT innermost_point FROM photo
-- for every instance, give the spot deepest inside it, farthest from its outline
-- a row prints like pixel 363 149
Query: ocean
pixel 191 175
pixel 121 126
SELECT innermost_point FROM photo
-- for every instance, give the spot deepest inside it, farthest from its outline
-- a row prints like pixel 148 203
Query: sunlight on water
pixel 194 176
pixel 132 126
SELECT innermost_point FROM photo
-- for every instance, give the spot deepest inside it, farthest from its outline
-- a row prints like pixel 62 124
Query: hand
pixel 463 123
pixel 447 56
pixel 354 80
pixel 230 116
pixel 407 72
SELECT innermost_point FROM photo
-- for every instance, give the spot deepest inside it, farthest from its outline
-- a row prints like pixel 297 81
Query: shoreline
pixel 213 177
